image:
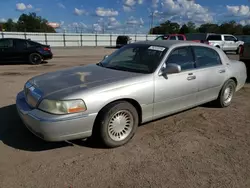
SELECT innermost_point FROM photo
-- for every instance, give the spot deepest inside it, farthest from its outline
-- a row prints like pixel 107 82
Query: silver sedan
pixel 138 83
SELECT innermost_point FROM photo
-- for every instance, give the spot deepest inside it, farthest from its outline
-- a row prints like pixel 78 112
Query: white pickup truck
pixel 226 42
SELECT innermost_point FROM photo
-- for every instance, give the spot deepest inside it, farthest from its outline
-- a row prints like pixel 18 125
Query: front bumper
pixel 51 127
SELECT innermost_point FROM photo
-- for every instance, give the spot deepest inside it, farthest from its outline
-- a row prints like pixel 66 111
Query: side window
pixel 172 38
pixel 206 57
pixel 180 37
pixel 6 43
pixel 183 57
pixel 229 38
pixel 214 37
pixel 21 44
pixel 159 38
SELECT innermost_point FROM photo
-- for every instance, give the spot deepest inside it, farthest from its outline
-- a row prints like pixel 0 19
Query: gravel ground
pixel 202 147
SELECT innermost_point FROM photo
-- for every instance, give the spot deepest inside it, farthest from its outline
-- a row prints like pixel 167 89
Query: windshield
pixel 140 58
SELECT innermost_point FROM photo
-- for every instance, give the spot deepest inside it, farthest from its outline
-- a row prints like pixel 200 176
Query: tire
pixel 223 100
pixel 35 59
pixel 217 46
pixel 112 135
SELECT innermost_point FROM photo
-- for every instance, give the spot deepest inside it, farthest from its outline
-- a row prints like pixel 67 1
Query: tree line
pixel 27 23
pixel 230 27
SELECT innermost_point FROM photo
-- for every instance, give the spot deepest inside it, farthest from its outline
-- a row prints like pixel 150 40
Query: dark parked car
pixel 22 50
pixel 198 37
pixel 122 40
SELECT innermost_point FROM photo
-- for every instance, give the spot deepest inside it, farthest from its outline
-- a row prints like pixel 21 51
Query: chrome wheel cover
pixel 120 125
pixel 228 94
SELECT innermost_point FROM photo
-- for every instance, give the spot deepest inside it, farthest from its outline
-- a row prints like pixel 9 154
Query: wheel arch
pixel 134 102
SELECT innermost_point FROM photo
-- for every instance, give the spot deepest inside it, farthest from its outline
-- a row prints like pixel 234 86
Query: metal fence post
pixel 46 39
pixel 64 42
pixel 81 38
pixel 146 37
pixel 96 39
pixel 135 37
pixel 110 39
pixel 25 35
pixel 2 34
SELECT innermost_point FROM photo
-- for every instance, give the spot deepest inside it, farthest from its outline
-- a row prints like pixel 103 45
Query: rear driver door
pixel 210 73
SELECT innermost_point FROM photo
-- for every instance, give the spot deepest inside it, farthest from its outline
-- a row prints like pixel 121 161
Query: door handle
pixel 222 71
pixel 191 77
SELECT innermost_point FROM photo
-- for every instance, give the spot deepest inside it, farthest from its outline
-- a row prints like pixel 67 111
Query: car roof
pixel 167 43
pixel 14 38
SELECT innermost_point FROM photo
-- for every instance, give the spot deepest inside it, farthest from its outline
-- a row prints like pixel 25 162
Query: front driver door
pixel 176 92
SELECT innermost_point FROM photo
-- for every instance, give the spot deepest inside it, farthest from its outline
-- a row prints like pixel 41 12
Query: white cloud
pixel 242 10
pixel 23 7
pixel 129 5
pixel 113 23
pixel 100 11
pixel 133 21
pixel 245 22
pixel 61 5
pixel 79 12
pixel 29 6
pixel 140 2
pixel 155 3
pixel 97 27
pixel 2 20
pixel 186 10
pixel 127 8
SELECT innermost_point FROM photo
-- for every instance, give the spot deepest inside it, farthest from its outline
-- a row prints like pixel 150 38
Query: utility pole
pixel 152 22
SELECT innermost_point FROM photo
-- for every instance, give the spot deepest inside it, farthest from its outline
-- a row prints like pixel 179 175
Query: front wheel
pixel 117 124
pixel 35 59
pixel 226 94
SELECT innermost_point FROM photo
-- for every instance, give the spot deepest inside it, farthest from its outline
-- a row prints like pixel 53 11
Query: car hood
pixel 83 77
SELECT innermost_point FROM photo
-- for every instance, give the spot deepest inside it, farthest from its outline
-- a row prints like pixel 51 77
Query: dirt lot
pixel 203 147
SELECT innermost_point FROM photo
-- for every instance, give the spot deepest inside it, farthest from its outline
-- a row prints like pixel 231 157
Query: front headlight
pixel 62 107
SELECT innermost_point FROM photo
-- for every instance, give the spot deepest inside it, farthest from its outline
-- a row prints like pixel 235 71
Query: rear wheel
pixel 35 59
pixel 117 124
pixel 226 94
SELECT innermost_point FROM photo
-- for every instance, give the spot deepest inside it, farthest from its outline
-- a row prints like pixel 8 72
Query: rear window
pixel 214 37
pixel 196 36
pixel 122 37
pixel 180 37
pixel 33 44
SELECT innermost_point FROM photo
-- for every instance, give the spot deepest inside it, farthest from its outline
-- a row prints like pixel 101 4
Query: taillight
pixel 241 50
pixel 46 49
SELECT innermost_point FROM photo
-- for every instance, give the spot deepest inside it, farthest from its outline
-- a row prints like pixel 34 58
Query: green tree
pixel 184 29
pixel 191 27
pixel 33 23
pixel 10 25
pixel 209 28
pixel 167 27
pixel 246 30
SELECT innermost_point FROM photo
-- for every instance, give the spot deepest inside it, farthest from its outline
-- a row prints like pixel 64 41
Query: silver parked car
pixel 138 83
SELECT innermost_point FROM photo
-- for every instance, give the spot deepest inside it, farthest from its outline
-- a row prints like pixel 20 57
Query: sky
pixel 115 16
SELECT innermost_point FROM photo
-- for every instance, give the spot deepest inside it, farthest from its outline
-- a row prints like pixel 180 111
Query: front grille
pixel 32 95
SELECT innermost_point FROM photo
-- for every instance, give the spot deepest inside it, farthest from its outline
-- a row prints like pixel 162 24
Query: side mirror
pixel 106 56
pixel 170 68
